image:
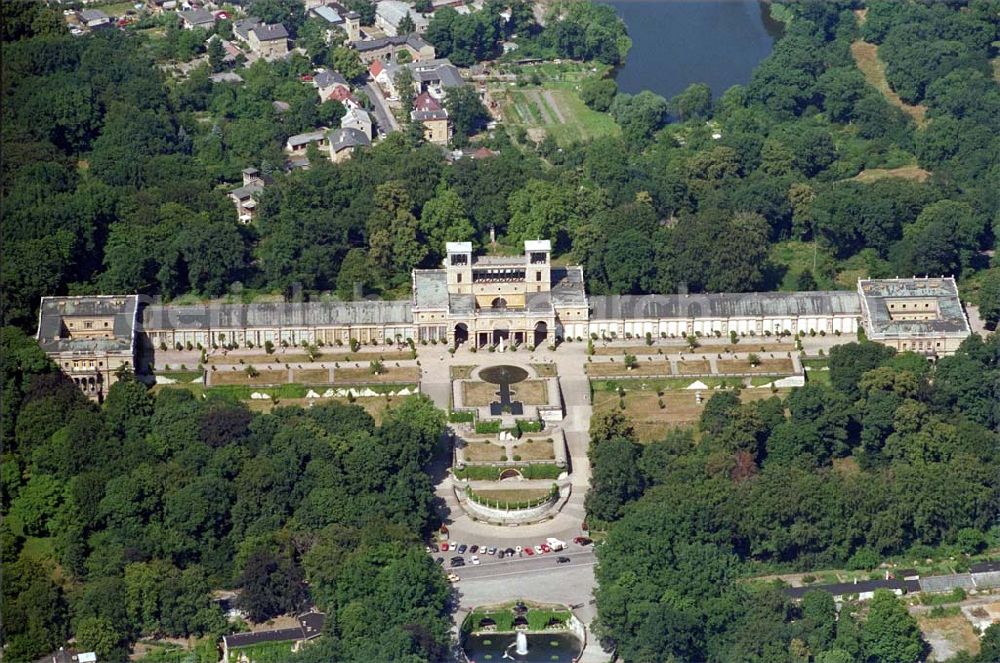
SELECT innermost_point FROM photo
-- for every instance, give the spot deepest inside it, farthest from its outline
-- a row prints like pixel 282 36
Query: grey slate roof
pixel 267 32
pixel 326 78
pixel 430 288
pixel 741 305
pixel 413 41
pixel 328 14
pixel 197 16
pixel 303 139
pixel 878 293
pixel 567 287
pixel 88 15
pixel 282 314
pixel 437 71
pixel 53 309
pixel 347 137
pixel 247 190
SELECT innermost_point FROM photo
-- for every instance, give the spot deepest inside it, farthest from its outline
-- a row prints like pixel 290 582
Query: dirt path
pixel 866 57
pixel 554 105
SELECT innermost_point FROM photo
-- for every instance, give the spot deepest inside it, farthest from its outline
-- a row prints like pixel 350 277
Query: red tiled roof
pixel 376 68
pixel 425 102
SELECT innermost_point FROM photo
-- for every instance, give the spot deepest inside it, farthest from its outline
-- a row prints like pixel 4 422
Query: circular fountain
pixel 503 374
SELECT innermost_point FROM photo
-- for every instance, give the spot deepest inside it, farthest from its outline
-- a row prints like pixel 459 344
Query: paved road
pixel 383 114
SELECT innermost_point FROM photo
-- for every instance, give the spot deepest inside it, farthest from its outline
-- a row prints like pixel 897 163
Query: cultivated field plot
pixel 407 374
pixel 551 105
pixel 680 408
pixel 483 452
pixel 535 450
pixel 781 366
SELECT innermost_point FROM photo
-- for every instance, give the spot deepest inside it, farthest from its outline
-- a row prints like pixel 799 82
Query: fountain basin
pixel 554 647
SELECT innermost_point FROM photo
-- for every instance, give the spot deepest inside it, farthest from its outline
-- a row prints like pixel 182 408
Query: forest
pixel 895 458
pixel 123 519
pixel 115 173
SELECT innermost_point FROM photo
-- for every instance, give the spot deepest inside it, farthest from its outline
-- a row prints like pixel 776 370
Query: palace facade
pixel 488 300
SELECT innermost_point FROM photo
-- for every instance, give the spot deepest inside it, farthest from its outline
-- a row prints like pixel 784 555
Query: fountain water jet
pixel 522 644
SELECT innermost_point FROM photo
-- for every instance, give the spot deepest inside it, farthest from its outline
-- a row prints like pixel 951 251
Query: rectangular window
pixel 88 325
pixel 459 276
pixel 538 276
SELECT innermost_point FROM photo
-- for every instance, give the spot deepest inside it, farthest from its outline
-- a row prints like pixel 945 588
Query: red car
pixel 528 551
pixel 443 547
pixel 582 541
pixel 546 548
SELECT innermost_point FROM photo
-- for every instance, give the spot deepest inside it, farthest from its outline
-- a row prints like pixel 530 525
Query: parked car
pixel 457 561
pixel 545 548
pixel 562 560
pixel 518 549
pixel 453 577
pixel 462 548
pixel 538 549
pixel 500 554
pixel 492 550
pixel 443 547
pixel 582 541
pixel 440 560
pixel 475 560
pixel 529 551
pixel 509 551
pixel 473 548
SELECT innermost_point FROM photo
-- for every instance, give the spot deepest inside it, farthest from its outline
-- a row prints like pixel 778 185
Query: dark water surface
pixel 558 647
pixel 679 42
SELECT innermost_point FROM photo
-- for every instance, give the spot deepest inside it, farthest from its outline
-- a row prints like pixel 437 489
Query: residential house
pixel 384 75
pixel 298 143
pixel 343 96
pixel 357 118
pixel 245 197
pixel 429 112
pixel 344 141
pixel 433 76
pixel 386 48
pixel 268 41
pixel 327 81
pixel 94 19
pixel 197 18
pixel 389 14
pixel 310 626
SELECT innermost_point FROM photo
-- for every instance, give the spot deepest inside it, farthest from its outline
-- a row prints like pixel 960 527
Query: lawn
pixel 617 368
pixel 238 376
pixel 545 370
pixel 782 366
pixel 629 349
pixel 407 374
pixel 693 367
pixel 281 359
pixel 912 172
pixel 795 257
pixel 535 450
pixel 531 392
pixel 680 408
pixel 513 494
pixel 481 452
pixel 462 372
pixel 477 394
pixel 866 57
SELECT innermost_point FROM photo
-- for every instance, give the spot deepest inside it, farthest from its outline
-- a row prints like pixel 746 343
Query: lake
pixel 679 42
